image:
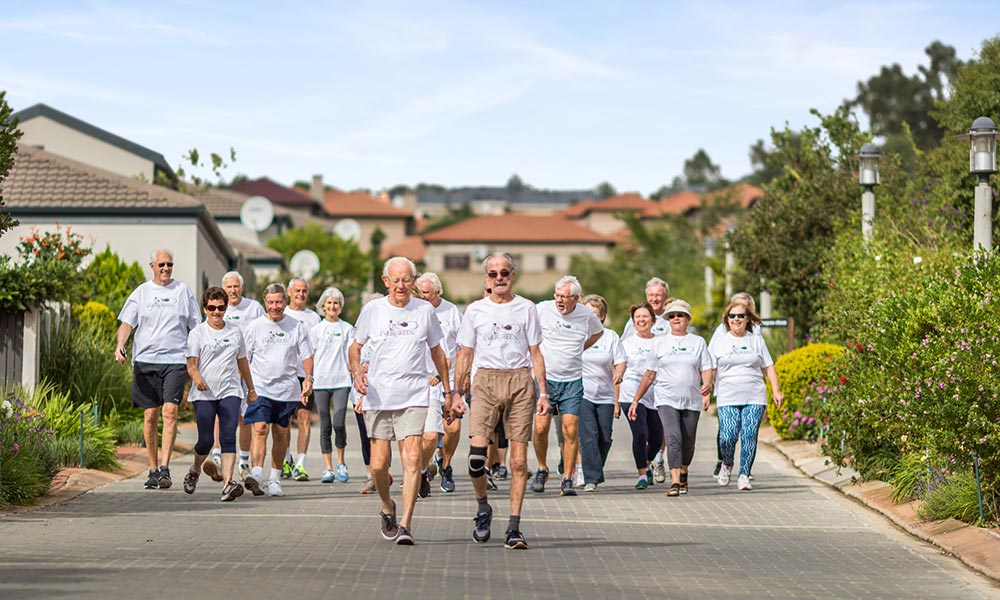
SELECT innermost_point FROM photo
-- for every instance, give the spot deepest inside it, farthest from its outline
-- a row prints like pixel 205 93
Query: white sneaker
pixel 659 473
pixel 743 483
pixel 578 477
pixel 244 471
pixel 274 488
pixel 724 474
pixel 590 487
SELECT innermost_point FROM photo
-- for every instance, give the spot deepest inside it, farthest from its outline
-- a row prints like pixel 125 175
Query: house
pixel 432 202
pixel 602 215
pixel 361 213
pixel 288 197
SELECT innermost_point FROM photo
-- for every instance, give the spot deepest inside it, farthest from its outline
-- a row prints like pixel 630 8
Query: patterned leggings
pixel 741 421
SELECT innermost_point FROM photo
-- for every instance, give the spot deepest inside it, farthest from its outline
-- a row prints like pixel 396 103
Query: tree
pixel 515 184
pixel 9 134
pixel 109 280
pixel 453 216
pixel 701 172
pixel 765 169
pixel 606 190
pixel 217 164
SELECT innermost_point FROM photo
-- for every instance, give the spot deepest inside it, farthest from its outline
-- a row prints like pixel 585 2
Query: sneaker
pixel 490 484
pixel 481 534
pixel 244 470
pixel 578 477
pixel 212 470
pixel 299 473
pixel 641 483
pixel 164 478
pixel 286 470
pixel 153 481
pixel 404 537
pixel 590 487
pixel 724 474
pixel 538 485
pixel 343 476
pixel 750 477
pixel 274 488
pixel 649 475
pixel 566 487
pixel 368 487
pixel 232 491
pixel 684 483
pixel 191 481
pixel 250 482
pixel 675 490
pixel 659 473
pixel 438 459
pixel 447 480
pixel 743 483
pixel 502 472
pixel 513 540
pixel 217 459
pixel 559 469
pixel 389 528
pixel 718 465
pixel 327 476
pixel 432 471
pixel 425 485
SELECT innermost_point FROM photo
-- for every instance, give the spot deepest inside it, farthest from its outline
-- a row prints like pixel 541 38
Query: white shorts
pixel 435 416
pixel 395 424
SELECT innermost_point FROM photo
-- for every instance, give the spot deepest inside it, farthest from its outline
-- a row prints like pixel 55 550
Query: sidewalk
pixel 977 547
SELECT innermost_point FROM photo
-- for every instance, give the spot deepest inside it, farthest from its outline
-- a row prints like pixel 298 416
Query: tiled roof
pixel 256 253
pixel 517 227
pixel 339 204
pixel 276 193
pixel 681 202
pixel 623 202
pixel 743 193
pixel 579 209
pixel 459 196
pixel 41 179
pixel 222 203
pixel 412 248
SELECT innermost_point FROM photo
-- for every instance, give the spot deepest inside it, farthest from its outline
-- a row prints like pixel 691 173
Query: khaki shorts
pixel 395 424
pixel 503 394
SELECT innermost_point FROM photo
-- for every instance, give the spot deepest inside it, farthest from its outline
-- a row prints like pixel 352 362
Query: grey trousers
pixel 680 428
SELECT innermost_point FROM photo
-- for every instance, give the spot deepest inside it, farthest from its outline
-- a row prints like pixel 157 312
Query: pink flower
pixel 17 448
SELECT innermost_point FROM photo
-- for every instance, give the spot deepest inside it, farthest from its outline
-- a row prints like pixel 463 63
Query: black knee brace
pixel 477 461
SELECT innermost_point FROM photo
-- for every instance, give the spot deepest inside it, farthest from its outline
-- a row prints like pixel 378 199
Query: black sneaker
pixel 481 534
pixel 165 481
pixel 251 483
pixel 404 537
pixel 566 487
pixel 447 480
pixel 501 472
pixel 514 540
pixel 490 484
pixel 153 481
pixel 425 485
pixel 559 469
pixel 191 481
pixel 232 491
pixel 718 466
pixel 389 528
pixel 538 485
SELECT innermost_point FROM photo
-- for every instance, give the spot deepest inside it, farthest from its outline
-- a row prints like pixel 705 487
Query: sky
pixel 373 94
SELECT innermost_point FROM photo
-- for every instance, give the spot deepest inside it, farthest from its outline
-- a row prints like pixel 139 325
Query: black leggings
pixel 366 444
pixel 647 435
pixel 338 397
pixel 205 412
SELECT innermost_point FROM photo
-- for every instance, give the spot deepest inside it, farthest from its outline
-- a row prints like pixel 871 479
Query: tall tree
pixel 701 172
pixel 9 134
pixel 606 190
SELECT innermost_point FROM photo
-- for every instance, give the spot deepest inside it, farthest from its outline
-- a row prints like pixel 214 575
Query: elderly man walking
pixel 240 312
pixel 502 332
pixel 298 296
pixel 657 293
pixel 568 328
pixel 162 312
pixel 397 391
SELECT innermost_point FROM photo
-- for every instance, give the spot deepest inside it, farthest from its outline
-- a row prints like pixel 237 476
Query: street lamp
pixel 982 139
pixel 868 159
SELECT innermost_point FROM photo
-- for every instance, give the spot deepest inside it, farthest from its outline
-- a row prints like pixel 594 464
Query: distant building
pixel 497 200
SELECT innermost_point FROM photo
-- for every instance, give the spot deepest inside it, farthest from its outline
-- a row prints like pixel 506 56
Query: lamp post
pixel 868 160
pixel 982 139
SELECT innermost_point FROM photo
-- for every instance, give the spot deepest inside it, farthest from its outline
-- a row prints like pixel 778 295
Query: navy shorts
pixel 272 412
pixel 565 396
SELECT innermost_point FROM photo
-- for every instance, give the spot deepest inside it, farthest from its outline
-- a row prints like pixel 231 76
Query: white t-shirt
pixel 330 341
pixel 660 326
pixel 739 360
pixel 161 315
pixel 637 350
pixel 397 370
pixel 217 351
pixel 679 362
pixel 247 310
pixel 501 334
pixel 309 318
pixel 276 352
pixel 599 368
pixel 563 337
pixel 450 320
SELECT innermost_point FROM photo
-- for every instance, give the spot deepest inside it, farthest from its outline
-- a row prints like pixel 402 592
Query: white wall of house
pixel 62 140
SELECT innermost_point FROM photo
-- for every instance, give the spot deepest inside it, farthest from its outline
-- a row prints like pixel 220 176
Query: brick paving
pixel 789 538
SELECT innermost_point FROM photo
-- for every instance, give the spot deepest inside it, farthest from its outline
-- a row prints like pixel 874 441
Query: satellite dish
pixel 399 201
pixel 257 213
pixel 304 264
pixel 347 229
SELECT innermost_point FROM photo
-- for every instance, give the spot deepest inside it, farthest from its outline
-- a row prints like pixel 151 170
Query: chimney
pixel 317 191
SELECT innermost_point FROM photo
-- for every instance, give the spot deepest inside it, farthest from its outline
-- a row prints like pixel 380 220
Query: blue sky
pixel 371 94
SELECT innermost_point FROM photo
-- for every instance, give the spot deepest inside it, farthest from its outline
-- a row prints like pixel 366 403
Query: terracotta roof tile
pixel 579 209
pixel 412 248
pixel 276 193
pixel 338 204
pixel 681 202
pixel 517 227
pixel 744 194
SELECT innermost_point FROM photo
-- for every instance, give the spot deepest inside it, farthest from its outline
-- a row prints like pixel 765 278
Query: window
pixel 456 262
pixel 550 262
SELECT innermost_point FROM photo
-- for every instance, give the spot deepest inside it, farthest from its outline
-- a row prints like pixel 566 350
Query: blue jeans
pixel 595 425
pixel 741 421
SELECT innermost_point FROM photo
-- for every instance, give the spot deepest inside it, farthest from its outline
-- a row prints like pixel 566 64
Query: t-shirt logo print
pixel 502 332
pixel 402 328
pixel 159 303
pixel 275 337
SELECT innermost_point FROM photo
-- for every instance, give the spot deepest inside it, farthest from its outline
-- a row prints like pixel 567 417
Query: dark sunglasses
pixel 215 307
pixel 161 265
pixel 502 273
pixel 672 315
pixel 737 315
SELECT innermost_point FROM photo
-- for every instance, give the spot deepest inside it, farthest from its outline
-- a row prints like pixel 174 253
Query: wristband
pixel 543 395
pixel 310 378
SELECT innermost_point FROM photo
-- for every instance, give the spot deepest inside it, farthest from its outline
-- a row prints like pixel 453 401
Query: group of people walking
pixel 416 368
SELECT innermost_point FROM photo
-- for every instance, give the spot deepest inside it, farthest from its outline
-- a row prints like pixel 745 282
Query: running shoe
pixel 490 484
pixel 299 473
pixel 244 470
pixel 481 534
pixel 566 488
pixel 590 487
pixel 538 485
pixel 684 483
pixel 578 477
pixel 559 469
pixel 439 459
pixel 250 482
pixel 432 470
pixel 675 490
pixel 212 470
pixel 164 478
pixel 153 481
pixel 368 487
pixel 502 472
pixel 718 465
pixel 425 485
pixel 659 473
pixel 389 527
pixel 447 480
pixel 232 491
pixel 286 470
pixel 217 458
pixel 649 475
pixel 404 537
pixel 743 483
pixel 343 476
pixel 274 488
pixel 191 481
pixel 724 474
pixel 641 483
pixel 513 540
pixel 327 476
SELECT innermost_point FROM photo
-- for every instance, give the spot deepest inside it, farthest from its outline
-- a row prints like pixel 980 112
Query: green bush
pixel 109 280
pixel 798 372
pixel 63 419
pixel 26 463
pixel 96 317
pixel 953 497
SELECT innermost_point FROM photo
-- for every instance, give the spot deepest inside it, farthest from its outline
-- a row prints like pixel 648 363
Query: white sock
pixel 275 474
pixel 217 451
pixel 300 460
pixel 659 457
pixel 244 458
pixel 257 473
pixel 288 456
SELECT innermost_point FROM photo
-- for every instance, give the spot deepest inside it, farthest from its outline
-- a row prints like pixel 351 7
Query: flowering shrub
pixel 26 464
pixel 47 269
pixel 799 372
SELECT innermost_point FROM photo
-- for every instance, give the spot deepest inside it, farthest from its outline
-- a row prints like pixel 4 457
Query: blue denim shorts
pixel 265 410
pixel 565 396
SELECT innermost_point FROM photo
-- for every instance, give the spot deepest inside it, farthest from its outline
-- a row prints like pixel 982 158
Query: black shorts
pixel 155 384
pixel 311 405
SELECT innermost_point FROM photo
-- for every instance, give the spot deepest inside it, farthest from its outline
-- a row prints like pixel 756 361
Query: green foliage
pixel 96 317
pixel 799 371
pixel 606 190
pixel 216 164
pixel 129 431
pixel 908 477
pixel 953 498
pixel 47 270
pixel 9 134
pixel 976 92
pixel 62 417
pixel 26 464
pixel 109 280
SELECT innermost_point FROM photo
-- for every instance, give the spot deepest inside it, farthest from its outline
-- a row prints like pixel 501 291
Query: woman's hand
pixel 779 398
pixel 706 401
pixel 632 409
pixel 251 396
pixel 618 410
pixel 201 384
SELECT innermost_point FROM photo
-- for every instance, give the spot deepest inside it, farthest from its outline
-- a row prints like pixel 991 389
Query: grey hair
pixel 276 288
pixel 658 281
pixel 232 275
pixel 599 302
pixel 330 292
pixel 746 297
pixel 152 255
pixel 572 282
pixel 394 259
pixel 294 279
pixel 371 296
pixel 507 255
pixel 432 279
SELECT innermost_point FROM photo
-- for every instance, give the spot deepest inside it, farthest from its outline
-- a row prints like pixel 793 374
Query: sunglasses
pixel 502 273
pixel 215 307
pixel 737 315
pixel 673 315
pixel 165 264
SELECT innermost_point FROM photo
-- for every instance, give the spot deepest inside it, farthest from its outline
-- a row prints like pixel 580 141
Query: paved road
pixel 789 538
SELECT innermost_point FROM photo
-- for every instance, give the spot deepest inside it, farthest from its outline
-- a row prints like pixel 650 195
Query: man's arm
pixel 354 360
pixel 307 382
pixel 124 330
pixel 538 367
pixel 593 339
